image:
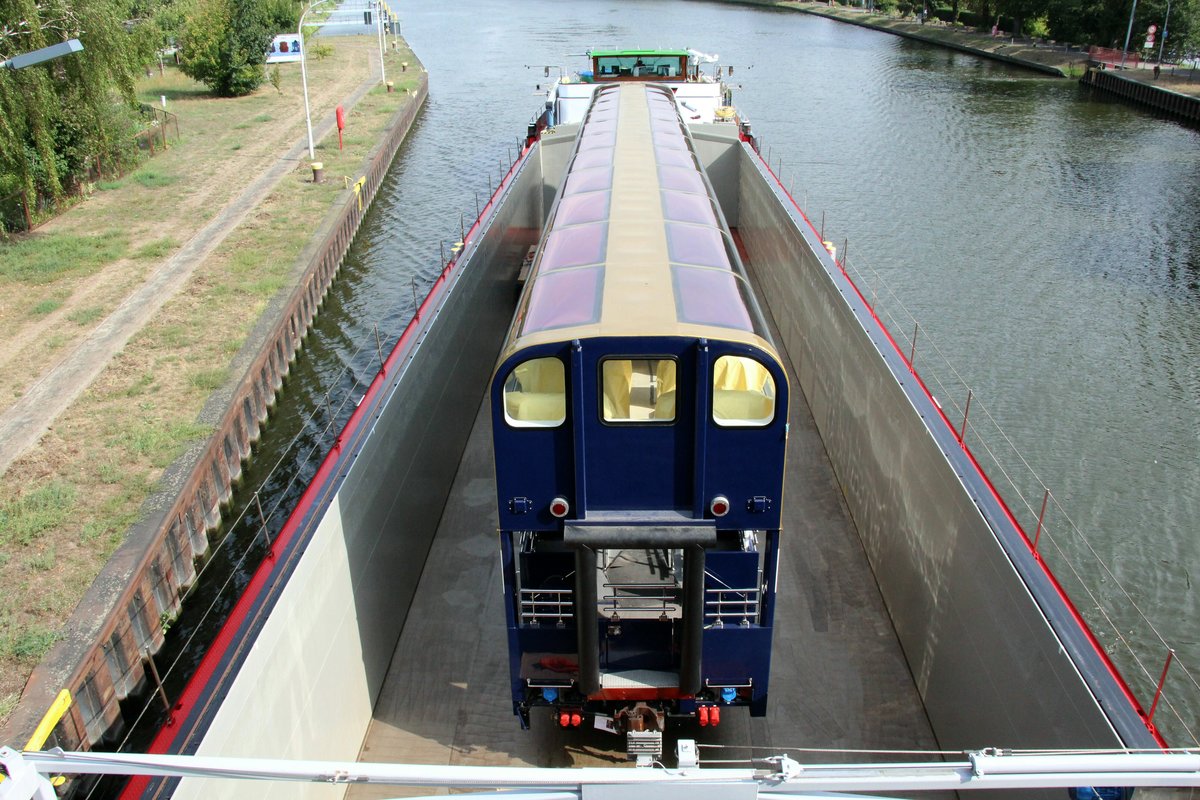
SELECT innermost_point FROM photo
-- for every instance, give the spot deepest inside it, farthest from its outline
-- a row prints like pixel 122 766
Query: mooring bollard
pixel 318 169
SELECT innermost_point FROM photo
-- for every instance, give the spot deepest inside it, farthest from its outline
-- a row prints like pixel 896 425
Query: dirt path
pixel 234 185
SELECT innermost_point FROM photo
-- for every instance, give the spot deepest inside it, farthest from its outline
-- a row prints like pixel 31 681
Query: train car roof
pixel 636 245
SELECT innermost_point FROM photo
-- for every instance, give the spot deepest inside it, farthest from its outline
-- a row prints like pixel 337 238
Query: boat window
pixel 638 390
pixel 535 394
pixel 644 65
pixel 743 392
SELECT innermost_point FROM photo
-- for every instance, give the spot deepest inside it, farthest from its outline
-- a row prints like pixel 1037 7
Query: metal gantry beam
pixel 778 776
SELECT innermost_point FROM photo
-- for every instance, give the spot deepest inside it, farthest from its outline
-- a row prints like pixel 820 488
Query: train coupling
pixel 644 747
pixel 643 727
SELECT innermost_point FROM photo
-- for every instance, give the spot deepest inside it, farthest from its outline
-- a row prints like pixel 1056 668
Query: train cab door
pixel 639 449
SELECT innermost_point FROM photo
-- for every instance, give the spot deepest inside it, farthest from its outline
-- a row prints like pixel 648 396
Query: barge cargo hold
pixel 912 613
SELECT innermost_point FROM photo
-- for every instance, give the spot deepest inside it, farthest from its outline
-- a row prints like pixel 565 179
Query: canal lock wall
pixel 1158 98
pixel 106 651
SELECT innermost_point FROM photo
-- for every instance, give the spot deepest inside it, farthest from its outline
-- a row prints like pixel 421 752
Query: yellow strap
pixel 358 185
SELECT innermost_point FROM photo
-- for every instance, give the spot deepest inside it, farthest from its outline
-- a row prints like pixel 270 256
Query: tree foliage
pixel 1100 22
pixel 224 45
pixel 57 117
pixel 1084 22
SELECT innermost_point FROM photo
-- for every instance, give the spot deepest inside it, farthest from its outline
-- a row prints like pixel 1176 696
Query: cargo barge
pixel 912 612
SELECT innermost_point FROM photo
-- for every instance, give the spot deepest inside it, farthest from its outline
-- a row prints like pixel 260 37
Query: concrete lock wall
pixel 118 624
pixel 990 666
pixel 329 641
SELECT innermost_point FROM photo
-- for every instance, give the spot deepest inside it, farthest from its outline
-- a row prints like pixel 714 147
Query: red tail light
pixel 559 507
pixel 719 506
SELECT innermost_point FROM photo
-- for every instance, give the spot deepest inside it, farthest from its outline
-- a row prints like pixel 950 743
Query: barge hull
pixel 993 658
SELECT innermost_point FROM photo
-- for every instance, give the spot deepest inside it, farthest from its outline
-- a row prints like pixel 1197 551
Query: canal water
pixel 1046 241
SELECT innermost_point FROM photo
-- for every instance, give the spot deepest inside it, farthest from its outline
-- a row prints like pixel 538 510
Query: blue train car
pixel 639 421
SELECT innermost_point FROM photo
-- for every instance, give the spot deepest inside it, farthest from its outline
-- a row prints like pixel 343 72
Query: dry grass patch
pixel 73 497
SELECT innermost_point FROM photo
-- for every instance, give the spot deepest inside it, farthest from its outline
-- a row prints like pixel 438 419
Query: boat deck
pixel 838 677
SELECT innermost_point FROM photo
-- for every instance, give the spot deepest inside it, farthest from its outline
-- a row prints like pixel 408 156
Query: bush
pixel 1036 28
pixel 224 45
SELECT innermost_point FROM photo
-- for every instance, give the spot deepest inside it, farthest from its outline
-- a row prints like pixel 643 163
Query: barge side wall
pixel 989 666
pixel 329 641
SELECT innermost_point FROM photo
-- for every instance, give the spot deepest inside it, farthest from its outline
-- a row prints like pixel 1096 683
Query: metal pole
pixel 262 519
pixel 304 75
pixel 962 434
pixel 1161 680
pixel 1163 42
pixel 162 693
pixel 912 353
pixel 378 345
pixel 1128 33
pixel 1041 518
pixel 379 37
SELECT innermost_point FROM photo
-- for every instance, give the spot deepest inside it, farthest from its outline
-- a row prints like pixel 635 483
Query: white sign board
pixel 284 47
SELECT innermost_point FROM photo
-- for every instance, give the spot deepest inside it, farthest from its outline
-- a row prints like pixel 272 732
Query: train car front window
pixel 743 392
pixel 638 390
pixel 535 394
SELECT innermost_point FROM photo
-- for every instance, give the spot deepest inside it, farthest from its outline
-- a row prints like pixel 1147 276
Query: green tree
pixel 224 45
pixel 56 117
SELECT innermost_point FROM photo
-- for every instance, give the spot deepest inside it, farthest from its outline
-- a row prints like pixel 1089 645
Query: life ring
pixel 725 112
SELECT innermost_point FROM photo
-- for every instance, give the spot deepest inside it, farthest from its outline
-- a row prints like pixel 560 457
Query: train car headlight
pixel 719 506
pixel 559 507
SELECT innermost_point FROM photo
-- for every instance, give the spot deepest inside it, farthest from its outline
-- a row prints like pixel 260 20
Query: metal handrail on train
pixel 666 601
pixel 541 604
pixel 743 607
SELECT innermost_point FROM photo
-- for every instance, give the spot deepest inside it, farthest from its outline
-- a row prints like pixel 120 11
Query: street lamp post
pixel 379 40
pixel 44 54
pixel 1163 42
pixel 1128 33
pixel 304 74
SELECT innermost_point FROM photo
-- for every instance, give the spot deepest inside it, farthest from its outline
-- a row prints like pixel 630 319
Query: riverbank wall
pixel 995 54
pixel 1158 98
pixel 107 648
pixel 1048 59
